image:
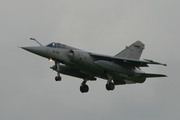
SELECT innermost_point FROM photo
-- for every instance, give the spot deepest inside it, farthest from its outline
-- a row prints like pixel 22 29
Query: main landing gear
pixel 110 85
pixel 58 77
pixel 84 88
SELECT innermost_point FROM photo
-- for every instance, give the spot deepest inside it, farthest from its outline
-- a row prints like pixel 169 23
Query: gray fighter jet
pixel 123 68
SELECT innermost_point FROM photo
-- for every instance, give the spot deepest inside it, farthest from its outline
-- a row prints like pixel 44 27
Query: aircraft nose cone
pixel 36 50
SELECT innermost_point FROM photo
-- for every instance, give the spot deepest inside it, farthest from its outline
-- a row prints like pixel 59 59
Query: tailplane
pixel 133 51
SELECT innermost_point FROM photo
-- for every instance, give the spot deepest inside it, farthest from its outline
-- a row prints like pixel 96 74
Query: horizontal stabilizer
pixel 149 75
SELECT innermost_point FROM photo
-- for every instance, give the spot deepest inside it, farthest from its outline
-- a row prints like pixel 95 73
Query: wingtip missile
pixel 153 62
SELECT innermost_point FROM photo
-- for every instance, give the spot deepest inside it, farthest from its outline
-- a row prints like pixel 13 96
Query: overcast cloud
pixel 28 90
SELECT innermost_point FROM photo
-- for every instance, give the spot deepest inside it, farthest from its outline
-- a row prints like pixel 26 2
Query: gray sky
pixel 28 90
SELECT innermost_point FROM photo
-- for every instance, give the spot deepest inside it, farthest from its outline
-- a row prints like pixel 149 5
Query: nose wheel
pixel 58 77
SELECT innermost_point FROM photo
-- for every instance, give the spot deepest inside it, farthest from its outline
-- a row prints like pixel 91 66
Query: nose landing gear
pixel 58 77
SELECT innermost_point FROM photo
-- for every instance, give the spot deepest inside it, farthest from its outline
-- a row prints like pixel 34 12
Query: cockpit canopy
pixel 56 45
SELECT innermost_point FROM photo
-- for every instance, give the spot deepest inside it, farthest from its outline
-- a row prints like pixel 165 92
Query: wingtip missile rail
pixel 153 62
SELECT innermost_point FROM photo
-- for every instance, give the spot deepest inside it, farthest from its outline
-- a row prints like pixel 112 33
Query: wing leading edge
pixel 130 62
pixel 129 56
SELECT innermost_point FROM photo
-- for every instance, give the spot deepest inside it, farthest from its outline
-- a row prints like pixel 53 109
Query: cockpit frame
pixel 56 45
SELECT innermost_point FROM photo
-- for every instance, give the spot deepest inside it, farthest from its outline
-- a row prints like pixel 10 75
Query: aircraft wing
pixel 125 61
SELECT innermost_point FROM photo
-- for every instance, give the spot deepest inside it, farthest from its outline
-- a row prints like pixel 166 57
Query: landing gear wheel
pixel 58 78
pixel 107 87
pixel 81 89
pixel 110 86
pixel 84 88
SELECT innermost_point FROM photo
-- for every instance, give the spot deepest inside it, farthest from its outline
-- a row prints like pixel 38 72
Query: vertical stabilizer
pixel 134 51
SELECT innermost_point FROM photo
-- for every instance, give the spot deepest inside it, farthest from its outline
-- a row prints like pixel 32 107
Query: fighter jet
pixel 123 68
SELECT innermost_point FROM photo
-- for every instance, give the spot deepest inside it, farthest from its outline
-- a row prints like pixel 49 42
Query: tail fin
pixel 134 51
